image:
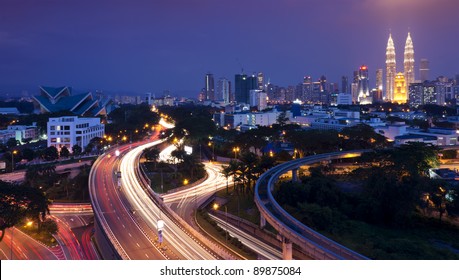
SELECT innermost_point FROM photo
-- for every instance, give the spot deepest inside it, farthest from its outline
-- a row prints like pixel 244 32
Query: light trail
pixel 150 213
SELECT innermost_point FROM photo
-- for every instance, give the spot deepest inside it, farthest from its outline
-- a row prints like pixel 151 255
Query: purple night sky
pixel 150 46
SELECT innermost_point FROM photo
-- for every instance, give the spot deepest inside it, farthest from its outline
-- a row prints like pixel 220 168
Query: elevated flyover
pixel 290 229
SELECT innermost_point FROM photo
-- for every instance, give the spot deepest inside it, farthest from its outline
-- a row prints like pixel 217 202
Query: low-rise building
pixel 71 130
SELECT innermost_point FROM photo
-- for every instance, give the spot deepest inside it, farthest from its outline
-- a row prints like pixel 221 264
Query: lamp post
pixel 216 206
pixel 235 150
pixel 213 150
pixel 12 159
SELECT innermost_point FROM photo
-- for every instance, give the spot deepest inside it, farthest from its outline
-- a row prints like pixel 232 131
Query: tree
pixel 226 171
pixel 65 153
pixel 362 136
pixel 28 154
pixel 11 143
pixel 152 154
pixel 76 150
pixel 282 119
pixel 18 202
pixel 50 153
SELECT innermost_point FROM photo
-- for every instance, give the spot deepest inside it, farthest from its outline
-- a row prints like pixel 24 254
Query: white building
pixel 23 132
pixel 253 119
pixel 258 98
pixel 6 135
pixel 71 130
pixel 344 99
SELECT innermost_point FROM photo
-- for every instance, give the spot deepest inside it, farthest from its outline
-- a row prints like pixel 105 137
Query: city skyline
pixel 153 47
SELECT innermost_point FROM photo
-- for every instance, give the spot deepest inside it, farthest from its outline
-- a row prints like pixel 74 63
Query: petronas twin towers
pixel 397 83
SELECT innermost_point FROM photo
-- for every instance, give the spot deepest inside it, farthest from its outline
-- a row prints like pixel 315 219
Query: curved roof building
pixel 55 99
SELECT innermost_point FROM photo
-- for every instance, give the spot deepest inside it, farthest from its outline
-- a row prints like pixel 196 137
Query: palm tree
pixel 226 171
pixel 234 169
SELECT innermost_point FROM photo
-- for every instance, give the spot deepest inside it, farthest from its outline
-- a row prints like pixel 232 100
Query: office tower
pixel 209 88
pixel 307 89
pixel 243 85
pixel 223 90
pixel 253 81
pixel 390 69
pixel 290 93
pixel 148 98
pixel 363 84
pixel 400 89
pixel 324 90
pixel 344 84
pixel 240 88
pixel 379 85
pixel 408 62
pixel 299 91
pixel 424 69
pixel 260 81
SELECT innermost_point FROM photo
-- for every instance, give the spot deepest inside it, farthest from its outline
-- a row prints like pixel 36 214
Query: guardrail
pixel 189 230
pixel 100 219
pixel 315 244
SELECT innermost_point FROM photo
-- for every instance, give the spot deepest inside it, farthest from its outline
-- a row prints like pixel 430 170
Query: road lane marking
pixel 130 234
pixel 137 245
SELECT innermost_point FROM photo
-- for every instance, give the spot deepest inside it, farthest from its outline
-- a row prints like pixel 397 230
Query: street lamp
pixel 235 150
pixel 14 152
pixel 213 150
pixel 216 206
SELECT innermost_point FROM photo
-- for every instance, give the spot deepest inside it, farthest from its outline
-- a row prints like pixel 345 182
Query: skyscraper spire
pixel 390 69
pixel 408 62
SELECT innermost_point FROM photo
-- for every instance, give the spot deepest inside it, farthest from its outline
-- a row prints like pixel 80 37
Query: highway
pixel 144 206
pixel 185 201
pixel 75 229
pixel 19 175
pixel 114 214
pixel 25 247
pixel 264 250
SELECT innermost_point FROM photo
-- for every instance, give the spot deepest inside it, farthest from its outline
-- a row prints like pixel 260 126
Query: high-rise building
pixel 379 85
pixel 209 88
pixel 408 61
pixel 391 68
pixel 430 92
pixel 424 69
pixel 260 81
pixel 363 84
pixel 223 90
pixel 400 95
pixel 344 84
pixel 290 93
pixel 307 89
pixel 243 85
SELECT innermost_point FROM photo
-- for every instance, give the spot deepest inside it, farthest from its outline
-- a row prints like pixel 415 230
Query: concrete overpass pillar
pixel 286 249
pixel 295 175
pixel 262 221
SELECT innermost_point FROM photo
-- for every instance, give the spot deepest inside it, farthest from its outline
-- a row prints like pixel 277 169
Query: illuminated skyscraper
pixel 363 84
pixel 408 62
pixel 379 85
pixel 400 95
pixel 209 88
pixel 390 69
pixel 424 69
pixel 223 90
